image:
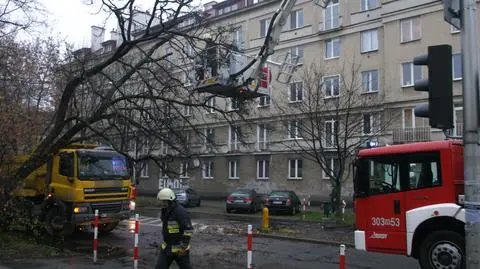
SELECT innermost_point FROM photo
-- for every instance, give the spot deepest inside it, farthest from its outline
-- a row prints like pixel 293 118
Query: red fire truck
pixel 409 201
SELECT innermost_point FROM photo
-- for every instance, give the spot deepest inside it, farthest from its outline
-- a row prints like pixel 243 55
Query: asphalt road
pixel 216 245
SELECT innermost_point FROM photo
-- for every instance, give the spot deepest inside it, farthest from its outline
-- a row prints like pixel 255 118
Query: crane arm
pixel 253 71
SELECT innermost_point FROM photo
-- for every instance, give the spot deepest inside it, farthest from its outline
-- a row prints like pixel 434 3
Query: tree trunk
pixel 338 200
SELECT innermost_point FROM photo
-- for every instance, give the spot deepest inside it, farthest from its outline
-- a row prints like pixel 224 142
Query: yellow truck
pixel 76 181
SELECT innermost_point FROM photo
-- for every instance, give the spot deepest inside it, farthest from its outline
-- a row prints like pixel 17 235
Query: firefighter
pixel 176 229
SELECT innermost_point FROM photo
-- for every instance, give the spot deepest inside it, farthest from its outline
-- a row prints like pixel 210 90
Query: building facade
pixel 381 37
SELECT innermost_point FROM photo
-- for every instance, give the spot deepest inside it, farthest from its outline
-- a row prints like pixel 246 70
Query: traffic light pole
pixel 471 138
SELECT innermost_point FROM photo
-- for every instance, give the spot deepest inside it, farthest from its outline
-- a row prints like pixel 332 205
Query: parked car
pixel 244 200
pixel 187 197
pixel 283 201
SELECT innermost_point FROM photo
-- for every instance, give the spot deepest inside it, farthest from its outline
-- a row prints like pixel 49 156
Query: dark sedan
pixel 244 200
pixel 283 201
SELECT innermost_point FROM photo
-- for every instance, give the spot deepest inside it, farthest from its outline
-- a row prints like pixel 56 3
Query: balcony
pixel 411 135
pixel 457 130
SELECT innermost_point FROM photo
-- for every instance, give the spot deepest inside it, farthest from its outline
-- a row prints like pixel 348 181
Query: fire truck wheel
pixel 442 250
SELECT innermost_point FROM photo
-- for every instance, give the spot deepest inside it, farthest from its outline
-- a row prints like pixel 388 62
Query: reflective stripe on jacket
pixel 177 228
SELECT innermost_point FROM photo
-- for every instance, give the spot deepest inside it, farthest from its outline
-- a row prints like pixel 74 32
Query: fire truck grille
pixel 114 207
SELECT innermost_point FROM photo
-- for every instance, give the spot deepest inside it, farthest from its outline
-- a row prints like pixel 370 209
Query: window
pixel 163 169
pixel 408 119
pixel 367 123
pixel 454 29
pixel 368 4
pixel 187 136
pixel 410 29
pixel 332 15
pixel 264 27
pixel 144 171
pixel 296 92
pixel 184 169
pixel 234 104
pixel 210 137
pixel 383 174
pixel 294 128
pixel 211 105
pixel 331 130
pixel 370 81
pixel 233 141
pixel 207 169
pixel 458 121
pixel 164 148
pixel 296 19
pixel 332 168
pixel 369 40
pixel 263 169
pixel 187 111
pixel 332 48
pixel 332 86
pixel 66 164
pixel 262 134
pixel 424 173
pixel 233 169
pixel 295 53
pixel 264 100
pixel 295 168
pixel 145 147
pixel 237 39
pixel 410 74
pixel 457 66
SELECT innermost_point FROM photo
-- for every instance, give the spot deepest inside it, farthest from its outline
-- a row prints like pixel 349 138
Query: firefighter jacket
pixel 177 229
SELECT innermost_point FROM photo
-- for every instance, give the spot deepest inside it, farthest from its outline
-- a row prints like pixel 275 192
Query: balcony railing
pixel 457 130
pixel 411 135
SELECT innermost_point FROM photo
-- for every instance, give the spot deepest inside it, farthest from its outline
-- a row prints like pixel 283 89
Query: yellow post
pixel 265 224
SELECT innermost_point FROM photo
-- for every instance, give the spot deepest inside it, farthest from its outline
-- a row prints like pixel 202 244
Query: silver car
pixel 187 197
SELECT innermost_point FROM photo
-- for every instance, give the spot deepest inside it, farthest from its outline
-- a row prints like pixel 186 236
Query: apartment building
pixel 381 36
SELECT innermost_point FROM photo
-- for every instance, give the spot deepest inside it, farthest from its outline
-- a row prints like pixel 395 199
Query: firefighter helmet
pixel 166 194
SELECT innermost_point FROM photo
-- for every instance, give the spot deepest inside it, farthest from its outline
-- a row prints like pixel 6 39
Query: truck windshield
pixel 102 165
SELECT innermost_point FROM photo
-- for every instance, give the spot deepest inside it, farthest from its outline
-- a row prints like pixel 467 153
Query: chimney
pixel 98 36
pixel 114 35
pixel 209 5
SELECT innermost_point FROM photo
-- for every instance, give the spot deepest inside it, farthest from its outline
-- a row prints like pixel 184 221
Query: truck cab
pixel 75 182
pixel 408 202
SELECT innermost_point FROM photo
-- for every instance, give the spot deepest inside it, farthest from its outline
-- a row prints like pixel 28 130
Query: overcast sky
pixel 71 20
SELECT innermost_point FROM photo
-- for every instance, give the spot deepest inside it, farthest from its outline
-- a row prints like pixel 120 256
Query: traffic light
pixel 439 86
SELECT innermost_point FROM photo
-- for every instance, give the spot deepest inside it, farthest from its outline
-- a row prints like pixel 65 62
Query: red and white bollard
pixel 249 247
pixel 135 248
pixel 342 256
pixel 95 236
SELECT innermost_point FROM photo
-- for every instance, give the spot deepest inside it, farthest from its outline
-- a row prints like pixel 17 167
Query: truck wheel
pixel 107 227
pixel 442 250
pixel 55 223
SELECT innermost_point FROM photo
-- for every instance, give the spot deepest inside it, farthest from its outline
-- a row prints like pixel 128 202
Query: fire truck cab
pixel 409 201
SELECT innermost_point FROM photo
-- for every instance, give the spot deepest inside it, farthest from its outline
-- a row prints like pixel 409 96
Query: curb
pixel 305 240
pixel 259 217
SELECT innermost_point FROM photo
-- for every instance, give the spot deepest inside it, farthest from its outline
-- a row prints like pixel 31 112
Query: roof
pixel 413 147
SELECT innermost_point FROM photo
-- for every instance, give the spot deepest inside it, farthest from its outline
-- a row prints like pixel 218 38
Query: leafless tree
pixel 330 117
pixel 135 91
pixel 20 15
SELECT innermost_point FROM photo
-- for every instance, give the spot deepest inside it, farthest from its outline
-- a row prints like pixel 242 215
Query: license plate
pixel 277 202
pixel 238 201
